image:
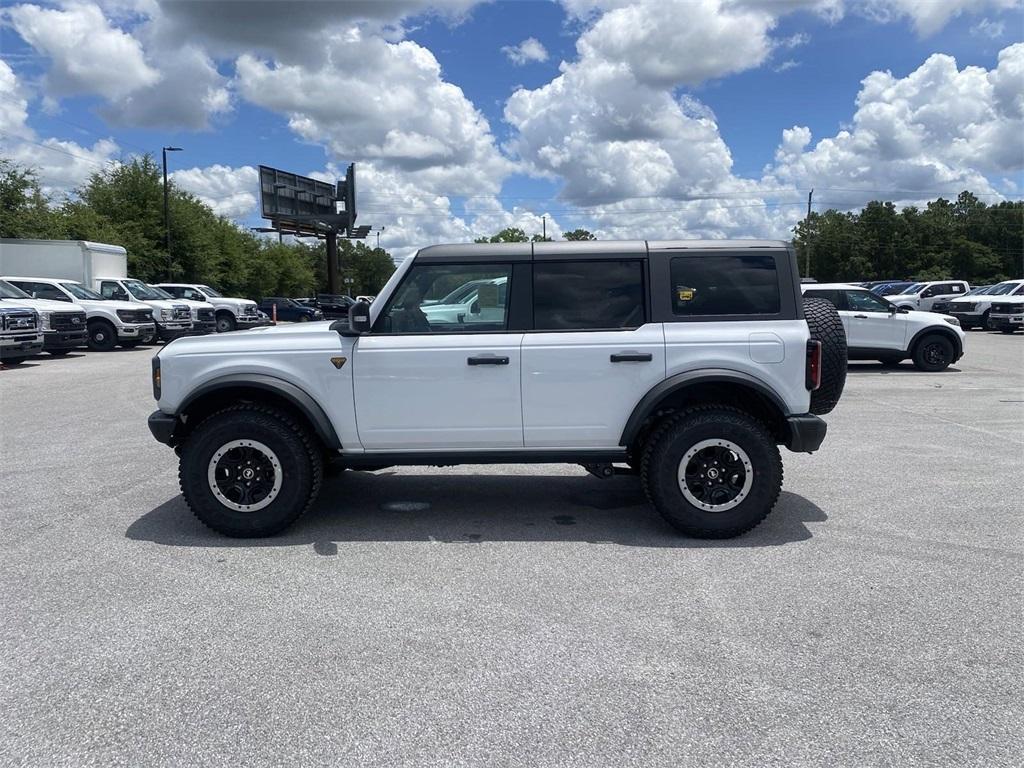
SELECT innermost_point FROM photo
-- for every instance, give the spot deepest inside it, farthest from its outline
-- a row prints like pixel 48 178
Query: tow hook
pixel 605 471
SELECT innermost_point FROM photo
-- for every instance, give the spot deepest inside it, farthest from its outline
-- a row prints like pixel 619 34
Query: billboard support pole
pixel 332 262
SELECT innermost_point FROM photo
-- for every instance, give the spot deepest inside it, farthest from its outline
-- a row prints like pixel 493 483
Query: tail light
pixel 812 376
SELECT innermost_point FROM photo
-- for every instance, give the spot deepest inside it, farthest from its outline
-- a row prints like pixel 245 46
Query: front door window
pixel 449 298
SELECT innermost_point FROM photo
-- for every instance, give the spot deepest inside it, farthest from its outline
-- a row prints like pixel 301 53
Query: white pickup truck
pixel 173 319
pixel 232 313
pixel 63 324
pixel 20 334
pixel 110 323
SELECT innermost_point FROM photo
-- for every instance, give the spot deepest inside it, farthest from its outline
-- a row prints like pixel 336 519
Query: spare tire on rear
pixel 826 327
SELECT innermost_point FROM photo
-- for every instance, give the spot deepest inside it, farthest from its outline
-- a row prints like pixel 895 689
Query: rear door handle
pixel 487 360
pixel 861 317
pixel 632 357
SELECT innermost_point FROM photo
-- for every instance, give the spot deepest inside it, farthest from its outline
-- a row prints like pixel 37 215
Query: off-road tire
pixel 667 445
pixel 301 466
pixel 102 336
pixel 226 322
pixel 923 362
pixel 826 326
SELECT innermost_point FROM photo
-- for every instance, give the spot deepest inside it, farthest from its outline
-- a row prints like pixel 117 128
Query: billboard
pixel 296 202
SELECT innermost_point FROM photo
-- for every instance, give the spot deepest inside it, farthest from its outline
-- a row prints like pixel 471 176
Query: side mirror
pixel 892 309
pixel 474 308
pixel 358 320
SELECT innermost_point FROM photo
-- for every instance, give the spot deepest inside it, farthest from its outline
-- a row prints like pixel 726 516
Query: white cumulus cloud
pixel 531 49
pixel 230 192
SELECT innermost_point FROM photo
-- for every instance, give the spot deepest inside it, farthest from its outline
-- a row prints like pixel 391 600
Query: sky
pixel 667 119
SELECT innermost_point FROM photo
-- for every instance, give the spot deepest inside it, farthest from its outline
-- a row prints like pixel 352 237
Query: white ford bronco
pixel 688 361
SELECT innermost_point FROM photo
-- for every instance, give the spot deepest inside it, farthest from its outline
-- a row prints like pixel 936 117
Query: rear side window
pixel 838 298
pixel 588 295
pixel 725 284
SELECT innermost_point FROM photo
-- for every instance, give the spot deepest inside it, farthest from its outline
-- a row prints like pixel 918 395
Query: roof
pixel 831 286
pixel 41 279
pixel 598 248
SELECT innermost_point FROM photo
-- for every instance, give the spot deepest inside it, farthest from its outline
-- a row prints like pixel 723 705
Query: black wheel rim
pixel 715 475
pixel 935 353
pixel 244 475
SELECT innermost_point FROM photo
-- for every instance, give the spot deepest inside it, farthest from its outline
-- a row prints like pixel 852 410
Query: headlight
pixel 166 314
pixel 952 321
pixel 44 318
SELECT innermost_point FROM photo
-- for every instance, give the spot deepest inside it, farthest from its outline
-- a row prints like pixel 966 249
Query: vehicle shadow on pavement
pixel 471 509
pixel 903 368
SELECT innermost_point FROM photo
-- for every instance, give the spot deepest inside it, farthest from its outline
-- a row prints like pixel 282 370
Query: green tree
pixel 579 234
pixel 24 210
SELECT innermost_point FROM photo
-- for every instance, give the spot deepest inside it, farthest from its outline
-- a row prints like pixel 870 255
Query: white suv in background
pixel 879 330
pixel 1007 314
pixel 974 310
pixel 109 322
pixel 232 313
pixel 923 295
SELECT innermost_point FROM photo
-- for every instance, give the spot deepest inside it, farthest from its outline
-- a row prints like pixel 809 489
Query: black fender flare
pixel 295 395
pixel 649 403
pixel 949 333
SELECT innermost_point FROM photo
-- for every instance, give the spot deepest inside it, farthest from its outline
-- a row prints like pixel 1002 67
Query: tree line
pixel 962 238
pixel 123 205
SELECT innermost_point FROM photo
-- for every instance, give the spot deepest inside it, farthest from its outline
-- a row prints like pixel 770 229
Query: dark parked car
pixel 289 310
pixel 334 305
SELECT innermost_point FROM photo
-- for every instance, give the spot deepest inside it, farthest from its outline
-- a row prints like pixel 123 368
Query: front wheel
pixel 1007 330
pixel 712 473
pixel 933 353
pixel 303 318
pixel 226 322
pixel 102 337
pixel 250 471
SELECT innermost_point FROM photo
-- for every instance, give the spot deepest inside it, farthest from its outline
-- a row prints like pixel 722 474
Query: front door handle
pixel 487 360
pixel 861 317
pixel 632 357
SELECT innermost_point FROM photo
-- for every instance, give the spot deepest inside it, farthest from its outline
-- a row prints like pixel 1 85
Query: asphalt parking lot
pixel 521 615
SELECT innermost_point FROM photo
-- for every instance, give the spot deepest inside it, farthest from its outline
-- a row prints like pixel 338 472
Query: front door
pixel 448 383
pixel 591 354
pixel 871 324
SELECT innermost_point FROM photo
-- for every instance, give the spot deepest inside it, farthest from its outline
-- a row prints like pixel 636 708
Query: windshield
pixel 1002 289
pixel 210 292
pixel 79 291
pixel 141 291
pixel 8 291
pixel 160 292
pixel 913 289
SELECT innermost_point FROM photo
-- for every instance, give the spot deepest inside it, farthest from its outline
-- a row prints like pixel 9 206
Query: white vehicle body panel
pixel 77 260
pixel 415 392
pixel 574 396
pixel 163 310
pixel 918 299
pixel 772 352
pixel 243 310
pixel 979 305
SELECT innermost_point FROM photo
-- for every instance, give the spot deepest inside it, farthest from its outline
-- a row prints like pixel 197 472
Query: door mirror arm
pixel 357 323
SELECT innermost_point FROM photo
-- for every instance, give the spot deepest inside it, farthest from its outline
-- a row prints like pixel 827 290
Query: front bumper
pixel 247 321
pixel 203 327
pixel 136 332
pixel 162 426
pixel 806 433
pixel 1006 321
pixel 171 331
pixel 21 347
pixel 64 339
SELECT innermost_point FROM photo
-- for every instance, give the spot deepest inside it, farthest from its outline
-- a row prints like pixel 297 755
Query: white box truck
pixel 104 269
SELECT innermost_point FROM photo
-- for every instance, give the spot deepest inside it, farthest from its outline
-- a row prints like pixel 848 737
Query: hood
pixel 999 299
pixel 239 302
pixel 44 305
pixel 304 336
pixel 162 303
pixel 111 304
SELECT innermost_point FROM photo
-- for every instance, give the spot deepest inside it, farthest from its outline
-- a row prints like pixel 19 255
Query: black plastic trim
pixel 631 357
pixel 806 433
pixel 649 403
pixel 162 426
pixel 486 360
pixel 450 458
pixel 293 394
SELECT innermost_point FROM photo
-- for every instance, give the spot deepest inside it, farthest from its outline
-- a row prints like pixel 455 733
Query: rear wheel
pixel 933 353
pixel 250 471
pixel 712 473
pixel 826 326
pixel 102 337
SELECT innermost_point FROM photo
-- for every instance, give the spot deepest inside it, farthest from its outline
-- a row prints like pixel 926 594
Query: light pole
pixel 167 215
pixel 378 237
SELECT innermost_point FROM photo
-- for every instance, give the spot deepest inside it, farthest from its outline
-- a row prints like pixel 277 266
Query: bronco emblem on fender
pixel 338 361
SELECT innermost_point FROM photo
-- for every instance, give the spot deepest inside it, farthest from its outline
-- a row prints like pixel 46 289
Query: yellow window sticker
pixel 685 294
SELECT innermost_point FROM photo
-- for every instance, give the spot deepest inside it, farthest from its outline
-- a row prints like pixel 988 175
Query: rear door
pixel 451 384
pixel 592 352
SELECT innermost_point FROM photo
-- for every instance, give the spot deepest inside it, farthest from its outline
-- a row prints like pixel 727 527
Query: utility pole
pixel 544 225
pixel 807 245
pixel 167 214
pixel 332 261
